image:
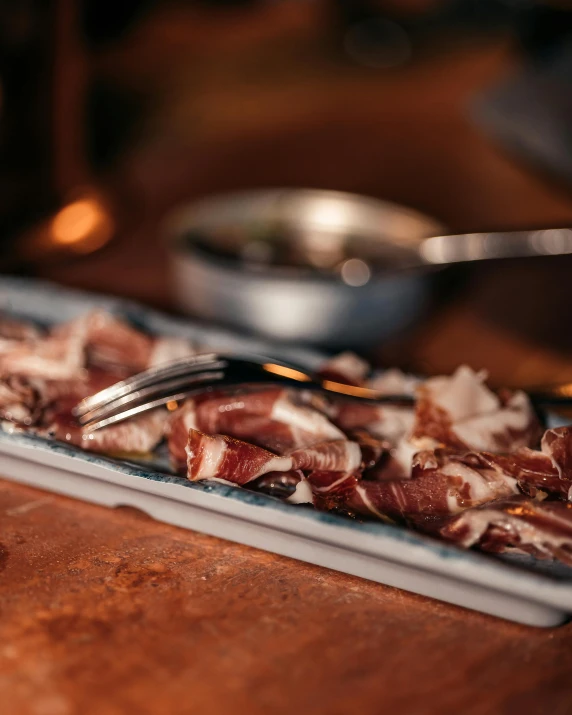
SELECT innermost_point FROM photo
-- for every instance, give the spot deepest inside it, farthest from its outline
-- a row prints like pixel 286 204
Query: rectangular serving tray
pixel 523 590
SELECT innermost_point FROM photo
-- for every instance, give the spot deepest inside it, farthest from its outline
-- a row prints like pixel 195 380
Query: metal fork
pixel 172 383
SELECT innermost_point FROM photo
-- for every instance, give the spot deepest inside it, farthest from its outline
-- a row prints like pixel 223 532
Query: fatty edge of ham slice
pixel 304 419
pixel 335 456
pixel 177 429
pixel 302 493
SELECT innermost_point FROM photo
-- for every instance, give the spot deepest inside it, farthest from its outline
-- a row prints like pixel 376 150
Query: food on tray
pixel 464 463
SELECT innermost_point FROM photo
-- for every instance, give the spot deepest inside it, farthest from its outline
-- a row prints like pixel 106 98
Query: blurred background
pixel 111 114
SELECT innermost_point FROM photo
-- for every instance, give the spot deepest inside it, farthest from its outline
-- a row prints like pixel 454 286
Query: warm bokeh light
pixel 83 226
pixel 286 372
pixel 355 272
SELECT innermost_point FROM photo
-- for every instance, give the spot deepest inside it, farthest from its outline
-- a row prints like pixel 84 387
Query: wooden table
pixel 108 612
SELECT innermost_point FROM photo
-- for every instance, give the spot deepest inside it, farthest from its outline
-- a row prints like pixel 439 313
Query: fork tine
pixel 149 393
pixel 143 379
pixel 139 409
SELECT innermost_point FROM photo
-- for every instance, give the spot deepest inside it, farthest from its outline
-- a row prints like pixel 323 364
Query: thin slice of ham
pixel 557 446
pixel 267 418
pixel 223 457
pixel 460 412
pixel 136 436
pixel 372 448
pixel 441 484
pixel 96 337
pixel 542 529
pixel 387 422
pixel 534 471
pixel 20 402
pixel 17 330
pixel 56 357
pixel 109 341
pixel 335 456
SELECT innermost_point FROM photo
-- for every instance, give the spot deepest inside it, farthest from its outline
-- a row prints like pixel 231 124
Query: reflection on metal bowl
pixel 308 266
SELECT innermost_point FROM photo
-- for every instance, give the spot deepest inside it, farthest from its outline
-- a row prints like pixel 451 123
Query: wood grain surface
pixel 109 612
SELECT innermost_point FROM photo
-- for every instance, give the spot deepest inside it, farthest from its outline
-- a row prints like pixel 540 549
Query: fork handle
pixel 541 398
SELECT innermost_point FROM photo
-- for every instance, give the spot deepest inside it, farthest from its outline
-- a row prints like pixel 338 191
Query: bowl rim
pixel 277 202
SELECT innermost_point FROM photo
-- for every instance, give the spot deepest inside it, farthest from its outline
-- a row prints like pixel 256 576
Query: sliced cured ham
pixel 20 402
pixel 18 330
pixel 96 338
pixel 557 445
pixel 441 484
pixel 137 436
pixel 540 528
pixel 372 448
pixel 335 456
pixel 267 418
pixel 388 422
pixel 465 464
pixel 109 341
pixel 52 358
pixel 534 471
pixel 223 457
pixel 332 485
pixel 101 339
pixel 460 412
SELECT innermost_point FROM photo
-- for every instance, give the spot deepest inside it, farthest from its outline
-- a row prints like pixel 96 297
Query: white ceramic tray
pixel 525 590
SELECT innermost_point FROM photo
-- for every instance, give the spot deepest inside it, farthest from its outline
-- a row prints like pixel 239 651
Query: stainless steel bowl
pixel 303 303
